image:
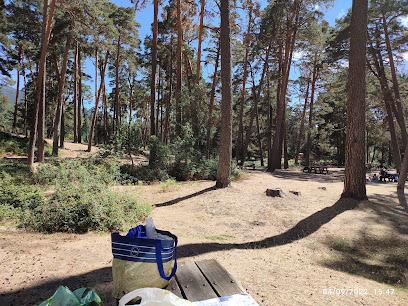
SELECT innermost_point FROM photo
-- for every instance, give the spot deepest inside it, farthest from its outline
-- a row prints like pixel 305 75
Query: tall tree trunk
pixel 276 147
pixel 25 106
pixel 57 121
pixel 105 115
pixel 200 39
pixel 117 101
pixel 96 93
pixel 18 90
pixel 382 78
pixel 240 138
pixel 178 73
pixel 354 178
pixel 309 130
pixel 254 107
pixel 130 101
pixel 170 88
pixel 211 106
pixel 285 141
pixel 269 114
pixel 225 150
pixel 62 137
pixel 45 38
pixel 158 103
pixel 399 114
pixel 258 131
pixel 154 66
pixel 75 92
pixel 302 125
pixel 79 107
pixel 41 120
pixel 97 101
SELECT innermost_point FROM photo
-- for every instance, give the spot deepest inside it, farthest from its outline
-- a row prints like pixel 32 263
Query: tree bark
pixel 302 125
pixel 61 83
pixel 75 92
pixel 117 101
pixel 45 38
pixel 399 114
pixel 276 147
pixel 154 66
pixel 225 150
pixel 254 107
pixel 200 39
pixel 79 121
pixel 240 138
pixel 170 89
pixel 178 73
pixel 41 120
pixel 354 178
pixel 97 101
pixel 309 131
pixel 211 106
pixel 18 90
pixel 96 93
pixel 105 115
pixel 382 78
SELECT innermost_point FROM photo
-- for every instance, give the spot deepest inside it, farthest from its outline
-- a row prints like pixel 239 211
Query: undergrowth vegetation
pixel 180 161
pixel 81 201
pixel 14 145
pixel 75 195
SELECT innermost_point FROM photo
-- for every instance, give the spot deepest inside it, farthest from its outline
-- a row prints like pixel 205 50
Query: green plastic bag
pixel 80 297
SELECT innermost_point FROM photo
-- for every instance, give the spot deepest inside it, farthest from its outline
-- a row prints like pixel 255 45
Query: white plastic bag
pixel 154 297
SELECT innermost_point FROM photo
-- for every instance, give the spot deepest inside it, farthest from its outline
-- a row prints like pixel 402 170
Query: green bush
pixel 18 145
pixel 159 154
pixel 134 174
pixel 82 200
pixel 85 171
pixel 23 196
pixel 77 209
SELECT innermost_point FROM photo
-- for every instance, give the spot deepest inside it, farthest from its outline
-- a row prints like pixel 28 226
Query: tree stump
pixel 276 192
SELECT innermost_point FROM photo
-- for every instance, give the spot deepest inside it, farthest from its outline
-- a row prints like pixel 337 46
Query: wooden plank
pixel 221 281
pixel 174 288
pixel 192 282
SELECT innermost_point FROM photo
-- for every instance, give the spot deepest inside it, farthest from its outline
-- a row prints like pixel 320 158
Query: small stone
pixel 322 188
pixel 277 192
pixel 295 192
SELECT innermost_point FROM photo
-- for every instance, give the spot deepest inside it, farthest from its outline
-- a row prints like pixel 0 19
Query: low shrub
pixel 16 195
pixel 77 209
pixel 85 171
pixel 10 144
pixel 82 199
pixel 131 174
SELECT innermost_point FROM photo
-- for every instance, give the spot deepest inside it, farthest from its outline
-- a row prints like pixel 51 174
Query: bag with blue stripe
pixel 139 261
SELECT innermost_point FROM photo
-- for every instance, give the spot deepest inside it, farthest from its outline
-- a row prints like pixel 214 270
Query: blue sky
pixel 145 18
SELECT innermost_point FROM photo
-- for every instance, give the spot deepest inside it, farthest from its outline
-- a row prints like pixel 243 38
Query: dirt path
pixel 284 251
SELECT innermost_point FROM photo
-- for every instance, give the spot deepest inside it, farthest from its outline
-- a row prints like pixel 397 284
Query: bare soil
pixel 312 249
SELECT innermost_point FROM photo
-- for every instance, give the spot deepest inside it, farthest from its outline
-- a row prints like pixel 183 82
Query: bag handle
pixel 159 259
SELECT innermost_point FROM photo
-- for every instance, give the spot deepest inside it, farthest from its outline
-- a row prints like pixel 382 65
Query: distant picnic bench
pixel 316 169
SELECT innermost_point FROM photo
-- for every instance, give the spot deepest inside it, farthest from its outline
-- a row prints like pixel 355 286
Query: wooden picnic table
pixel 202 280
pixel 316 169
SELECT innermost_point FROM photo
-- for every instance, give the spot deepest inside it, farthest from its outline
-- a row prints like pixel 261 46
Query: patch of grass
pixel 169 185
pixel 221 237
pixel 381 259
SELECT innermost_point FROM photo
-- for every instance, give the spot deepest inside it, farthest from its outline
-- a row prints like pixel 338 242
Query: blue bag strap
pixel 159 259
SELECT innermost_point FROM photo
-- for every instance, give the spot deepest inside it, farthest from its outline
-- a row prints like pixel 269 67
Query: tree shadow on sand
pixel 301 230
pixel 101 280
